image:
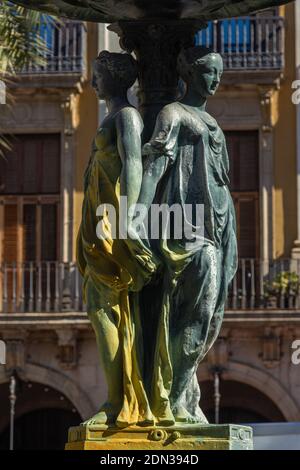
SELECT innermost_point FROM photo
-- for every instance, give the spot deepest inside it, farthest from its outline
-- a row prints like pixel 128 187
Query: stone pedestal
pixel 192 437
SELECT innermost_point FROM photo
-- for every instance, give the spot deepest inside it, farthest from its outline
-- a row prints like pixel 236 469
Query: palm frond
pixel 21 44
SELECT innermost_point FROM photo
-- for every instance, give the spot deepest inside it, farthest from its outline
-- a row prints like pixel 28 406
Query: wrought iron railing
pixel 247 42
pixel 244 42
pixel 52 286
pixel 65 48
pixel 265 284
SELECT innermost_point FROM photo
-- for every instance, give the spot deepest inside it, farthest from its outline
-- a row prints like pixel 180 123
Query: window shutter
pixel 248 242
pixel 49 232
pixel 33 167
pixel 50 165
pixel 10 241
pixel 243 153
pixel 29 232
pixel 243 150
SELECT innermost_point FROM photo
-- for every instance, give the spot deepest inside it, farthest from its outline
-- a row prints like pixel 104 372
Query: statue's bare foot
pixel 165 421
pixel 202 418
pixel 104 416
pixel 147 420
pixel 183 416
pixel 165 417
pixel 99 418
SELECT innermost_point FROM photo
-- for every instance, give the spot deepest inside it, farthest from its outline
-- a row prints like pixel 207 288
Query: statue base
pixel 174 438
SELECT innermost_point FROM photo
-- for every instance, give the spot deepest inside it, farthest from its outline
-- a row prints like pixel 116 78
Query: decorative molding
pixel 266 95
pixel 67 107
pixel 271 347
pixel 67 345
pixel 35 115
pixel 262 379
pixel 218 356
pixel 61 382
pixel 15 351
pixel 232 112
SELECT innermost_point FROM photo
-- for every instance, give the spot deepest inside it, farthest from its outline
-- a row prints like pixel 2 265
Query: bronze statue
pixel 112 266
pixel 187 163
pixel 156 305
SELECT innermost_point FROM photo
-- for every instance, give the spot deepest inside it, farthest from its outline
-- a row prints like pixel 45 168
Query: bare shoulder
pixel 130 115
pixel 170 112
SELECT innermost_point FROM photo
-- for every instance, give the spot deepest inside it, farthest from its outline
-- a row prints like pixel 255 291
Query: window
pixel 29 216
pixel 64 42
pixel 243 152
pixel 32 167
pixel 29 193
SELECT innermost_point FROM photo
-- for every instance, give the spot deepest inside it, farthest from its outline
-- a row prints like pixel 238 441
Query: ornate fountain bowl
pixel 109 11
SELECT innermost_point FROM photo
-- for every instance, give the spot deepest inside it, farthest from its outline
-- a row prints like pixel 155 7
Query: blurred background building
pixel 248 376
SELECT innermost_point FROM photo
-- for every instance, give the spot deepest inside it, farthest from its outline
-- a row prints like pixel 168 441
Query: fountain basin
pixel 109 11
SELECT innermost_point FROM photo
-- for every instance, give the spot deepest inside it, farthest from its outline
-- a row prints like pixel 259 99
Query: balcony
pixel 270 284
pixel 52 286
pixel 253 44
pixel 65 48
pixel 64 61
pixel 252 47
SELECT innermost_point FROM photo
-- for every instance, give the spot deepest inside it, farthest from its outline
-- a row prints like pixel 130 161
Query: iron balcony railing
pixel 48 286
pixel 265 284
pixel 57 287
pixel 247 43
pixel 65 48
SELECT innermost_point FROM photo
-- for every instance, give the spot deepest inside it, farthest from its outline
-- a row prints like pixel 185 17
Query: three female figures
pixel 185 162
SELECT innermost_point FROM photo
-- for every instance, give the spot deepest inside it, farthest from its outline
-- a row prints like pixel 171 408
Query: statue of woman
pixel 186 162
pixel 113 266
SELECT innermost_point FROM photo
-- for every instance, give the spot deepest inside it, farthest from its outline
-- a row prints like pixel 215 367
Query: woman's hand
pixel 140 248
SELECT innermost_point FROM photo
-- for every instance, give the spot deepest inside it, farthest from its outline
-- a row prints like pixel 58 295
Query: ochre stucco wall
pixel 284 118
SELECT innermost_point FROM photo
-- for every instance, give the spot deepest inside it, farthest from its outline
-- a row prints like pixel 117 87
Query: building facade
pixel 249 375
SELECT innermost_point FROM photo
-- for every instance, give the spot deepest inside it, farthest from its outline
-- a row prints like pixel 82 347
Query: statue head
pixel 113 74
pixel 201 68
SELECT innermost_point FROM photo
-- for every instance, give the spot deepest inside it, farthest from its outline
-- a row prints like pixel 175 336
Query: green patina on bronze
pixel 186 162
pixel 151 365
pixel 113 267
pixel 156 305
